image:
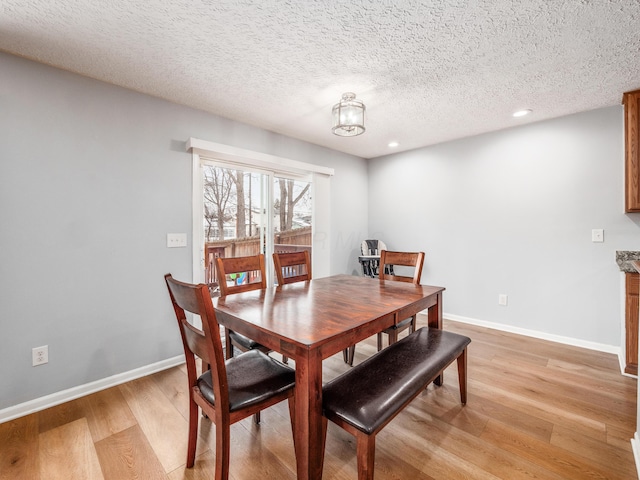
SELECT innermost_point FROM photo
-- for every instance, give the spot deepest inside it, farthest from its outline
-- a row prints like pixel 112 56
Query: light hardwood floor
pixel 536 410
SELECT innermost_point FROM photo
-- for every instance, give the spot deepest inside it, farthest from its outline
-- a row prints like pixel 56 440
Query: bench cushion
pixel 373 392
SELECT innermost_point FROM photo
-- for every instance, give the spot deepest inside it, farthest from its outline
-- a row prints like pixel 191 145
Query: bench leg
pixel 365 451
pixel 462 376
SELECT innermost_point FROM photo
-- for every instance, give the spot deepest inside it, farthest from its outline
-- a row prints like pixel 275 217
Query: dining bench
pixel 367 397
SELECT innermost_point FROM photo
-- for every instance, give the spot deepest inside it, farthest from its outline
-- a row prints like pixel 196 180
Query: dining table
pixel 313 320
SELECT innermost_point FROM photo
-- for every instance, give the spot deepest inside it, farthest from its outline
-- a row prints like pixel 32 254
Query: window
pixel 246 202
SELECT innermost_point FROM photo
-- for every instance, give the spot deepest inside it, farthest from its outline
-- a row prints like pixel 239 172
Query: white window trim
pixel 250 158
pixel 256 159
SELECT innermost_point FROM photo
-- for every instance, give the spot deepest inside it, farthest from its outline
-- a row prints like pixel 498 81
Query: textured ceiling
pixel 428 71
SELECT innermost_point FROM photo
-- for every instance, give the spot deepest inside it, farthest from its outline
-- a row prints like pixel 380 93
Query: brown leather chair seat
pixel 245 343
pixel 252 377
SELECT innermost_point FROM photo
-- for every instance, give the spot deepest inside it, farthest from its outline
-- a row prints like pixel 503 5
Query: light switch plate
pixel 176 240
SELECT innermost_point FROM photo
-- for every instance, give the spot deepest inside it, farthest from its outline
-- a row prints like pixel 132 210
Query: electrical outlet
pixel 502 299
pixel 597 235
pixel 40 355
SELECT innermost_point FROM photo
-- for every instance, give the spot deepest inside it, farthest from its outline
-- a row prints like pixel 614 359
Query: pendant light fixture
pixel 348 116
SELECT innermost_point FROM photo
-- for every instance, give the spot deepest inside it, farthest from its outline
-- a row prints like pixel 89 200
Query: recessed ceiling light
pixel 522 113
pixel 393 144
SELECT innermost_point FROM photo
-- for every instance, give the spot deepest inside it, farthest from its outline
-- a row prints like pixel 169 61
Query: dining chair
pixel 292 267
pixel 230 390
pixel 248 274
pixel 389 260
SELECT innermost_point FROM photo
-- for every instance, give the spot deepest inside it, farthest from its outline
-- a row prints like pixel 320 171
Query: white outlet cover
pixel 40 355
pixel 597 235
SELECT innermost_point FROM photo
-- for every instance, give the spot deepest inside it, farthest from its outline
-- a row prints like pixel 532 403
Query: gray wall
pixel 511 213
pixel 92 178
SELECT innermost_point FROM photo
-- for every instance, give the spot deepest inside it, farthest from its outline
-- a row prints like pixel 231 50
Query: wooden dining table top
pixel 310 314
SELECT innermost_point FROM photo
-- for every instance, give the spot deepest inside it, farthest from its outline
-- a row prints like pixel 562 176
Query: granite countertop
pixel 624 259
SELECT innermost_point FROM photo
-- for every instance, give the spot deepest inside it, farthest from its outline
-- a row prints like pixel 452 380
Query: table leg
pixel 435 313
pixel 308 415
pixel 435 321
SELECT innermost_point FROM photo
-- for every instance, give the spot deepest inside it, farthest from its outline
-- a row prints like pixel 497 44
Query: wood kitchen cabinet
pixel 632 304
pixel 631 102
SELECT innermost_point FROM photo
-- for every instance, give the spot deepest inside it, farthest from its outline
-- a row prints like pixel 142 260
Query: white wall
pixel 92 178
pixel 511 213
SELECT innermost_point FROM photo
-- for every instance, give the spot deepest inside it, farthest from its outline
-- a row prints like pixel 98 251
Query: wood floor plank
pixel 127 455
pixel 444 403
pixel 203 469
pixel 496 352
pixel 251 454
pixel 60 415
pixel 551 457
pixel 340 455
pixel 67 453
pixel 601 379
pixel 165 428
pixel 174 385
pixel 275 431
pixel 591 388
pixel 107 413
pixel 530 345
pixel 19 449
pixel 340 450
pixel 543 392
pixel 619 437
pixel 399 449
pixel 551 413
pixel 485 457
pixel 389 466
pixel 607 456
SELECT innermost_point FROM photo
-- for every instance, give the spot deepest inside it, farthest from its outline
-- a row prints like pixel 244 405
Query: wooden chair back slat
pixel 251 264
pixel 292 267
pixel 404 259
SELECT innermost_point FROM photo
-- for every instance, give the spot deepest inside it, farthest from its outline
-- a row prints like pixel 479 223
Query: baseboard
pixel 57 398
pixel 601 347
pixel 635 446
